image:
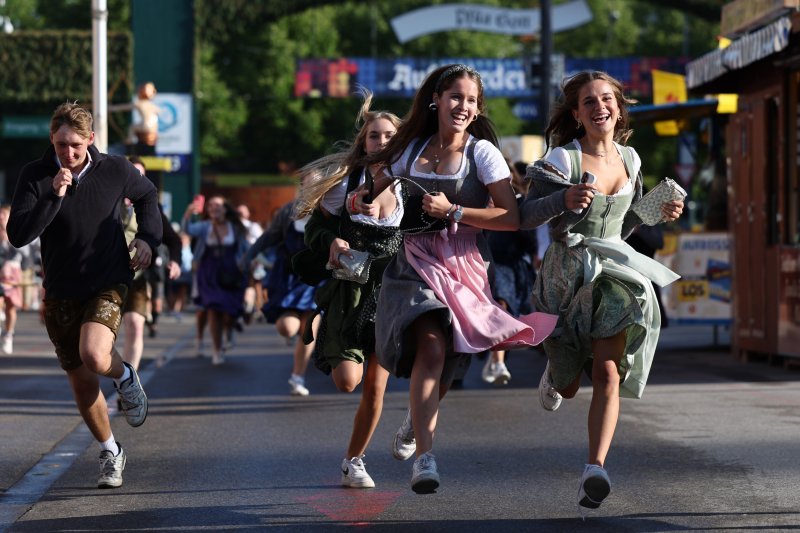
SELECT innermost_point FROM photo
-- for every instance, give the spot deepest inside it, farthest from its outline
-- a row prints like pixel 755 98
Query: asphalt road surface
pixel 714 445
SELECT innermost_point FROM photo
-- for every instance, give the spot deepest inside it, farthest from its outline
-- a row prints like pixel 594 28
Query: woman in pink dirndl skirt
pixel 435 306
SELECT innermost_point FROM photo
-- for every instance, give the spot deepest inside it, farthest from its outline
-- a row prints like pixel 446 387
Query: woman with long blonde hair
pixel 345 347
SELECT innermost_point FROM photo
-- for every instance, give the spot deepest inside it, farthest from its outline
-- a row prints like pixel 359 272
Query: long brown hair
pixel 323 174
pixel 562 127
pixel 423 122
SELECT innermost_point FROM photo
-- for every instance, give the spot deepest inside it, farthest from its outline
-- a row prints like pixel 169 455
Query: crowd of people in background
pixel 408 252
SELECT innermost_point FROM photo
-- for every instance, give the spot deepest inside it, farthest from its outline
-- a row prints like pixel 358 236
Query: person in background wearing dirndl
pixel 222 245
pixel 10 282
pixel 600 286
pixel 345 344
pixel 435 306
pixel 511 278
pixel 290 302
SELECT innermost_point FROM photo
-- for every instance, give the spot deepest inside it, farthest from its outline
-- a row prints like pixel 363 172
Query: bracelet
pixel 353 204
pixel 450 211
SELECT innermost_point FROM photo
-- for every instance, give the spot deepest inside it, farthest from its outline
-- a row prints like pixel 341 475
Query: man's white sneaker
pixel 132 398
pixel 111 467
pixel 8 343
pixel 354 474
pixel 425 477
pixel 548 395
pixel 595 486
pixel 297 386
pixel 404 444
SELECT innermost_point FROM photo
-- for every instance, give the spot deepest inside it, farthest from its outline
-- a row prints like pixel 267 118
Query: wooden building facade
pixel 761 65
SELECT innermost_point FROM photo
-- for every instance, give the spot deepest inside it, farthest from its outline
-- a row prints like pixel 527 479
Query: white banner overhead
pixel 448 17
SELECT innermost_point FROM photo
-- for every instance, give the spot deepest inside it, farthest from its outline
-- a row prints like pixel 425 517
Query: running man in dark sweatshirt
pixel 71 199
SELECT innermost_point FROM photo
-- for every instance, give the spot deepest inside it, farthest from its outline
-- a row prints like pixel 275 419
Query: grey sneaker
pixel 111 467
pixel 404 444
pixel 132 398
pixel 595 486
pixel 425 477
pixel 354 474
pixel 548 395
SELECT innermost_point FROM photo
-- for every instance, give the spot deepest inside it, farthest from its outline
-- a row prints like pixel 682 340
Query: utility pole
pixel 100 74
pixel 546 51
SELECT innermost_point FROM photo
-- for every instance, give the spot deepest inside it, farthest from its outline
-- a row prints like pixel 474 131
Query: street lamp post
pixel 100 74
pixel 546 57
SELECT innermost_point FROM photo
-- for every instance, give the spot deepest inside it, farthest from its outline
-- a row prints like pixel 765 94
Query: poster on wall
pixel 174 123
pixel 703 294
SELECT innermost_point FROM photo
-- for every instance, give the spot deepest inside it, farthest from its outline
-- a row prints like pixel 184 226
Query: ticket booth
pixel 761 65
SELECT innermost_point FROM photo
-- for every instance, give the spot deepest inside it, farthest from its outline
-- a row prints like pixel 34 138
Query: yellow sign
pixel 692 291
pixel 155 163
pixel 668 88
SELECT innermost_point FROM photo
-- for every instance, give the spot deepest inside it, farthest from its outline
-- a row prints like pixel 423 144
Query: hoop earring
pixel 474 118
pixel 579 124
pixel 432 106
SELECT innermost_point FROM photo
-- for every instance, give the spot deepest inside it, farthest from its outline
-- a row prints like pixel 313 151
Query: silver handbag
pixel 649 206
pixel 354 268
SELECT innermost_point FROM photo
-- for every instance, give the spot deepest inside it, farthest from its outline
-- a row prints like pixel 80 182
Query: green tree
pixel 219 111
pixel 257 46
pixel 246 54
pixel 64 14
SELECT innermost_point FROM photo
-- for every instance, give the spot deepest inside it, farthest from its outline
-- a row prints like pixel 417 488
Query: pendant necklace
pixel 436 156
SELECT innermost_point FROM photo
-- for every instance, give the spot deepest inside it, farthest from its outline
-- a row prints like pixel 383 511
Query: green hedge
pixel 54 66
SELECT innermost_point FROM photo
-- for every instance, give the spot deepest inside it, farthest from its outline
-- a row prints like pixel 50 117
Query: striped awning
pixel 740 53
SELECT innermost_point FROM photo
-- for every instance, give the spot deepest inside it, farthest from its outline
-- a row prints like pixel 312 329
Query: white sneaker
pixel 595 486
pixel 496 373
pixel 425 477
pixel 354 474
pixel 8 343
pixel 404 444
pixel 297 386
pixel 486 373
pixel 111 467
pixel 548 395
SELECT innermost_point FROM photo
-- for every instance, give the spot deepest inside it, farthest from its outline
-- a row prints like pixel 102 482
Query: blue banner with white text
pixel 508 78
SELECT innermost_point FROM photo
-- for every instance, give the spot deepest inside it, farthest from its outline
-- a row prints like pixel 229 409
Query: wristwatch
pixel 458 213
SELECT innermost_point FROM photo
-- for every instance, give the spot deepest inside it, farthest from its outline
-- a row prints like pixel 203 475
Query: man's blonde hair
pixel 77 118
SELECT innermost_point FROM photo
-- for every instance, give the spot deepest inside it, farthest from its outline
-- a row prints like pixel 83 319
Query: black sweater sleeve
pixel 34 204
